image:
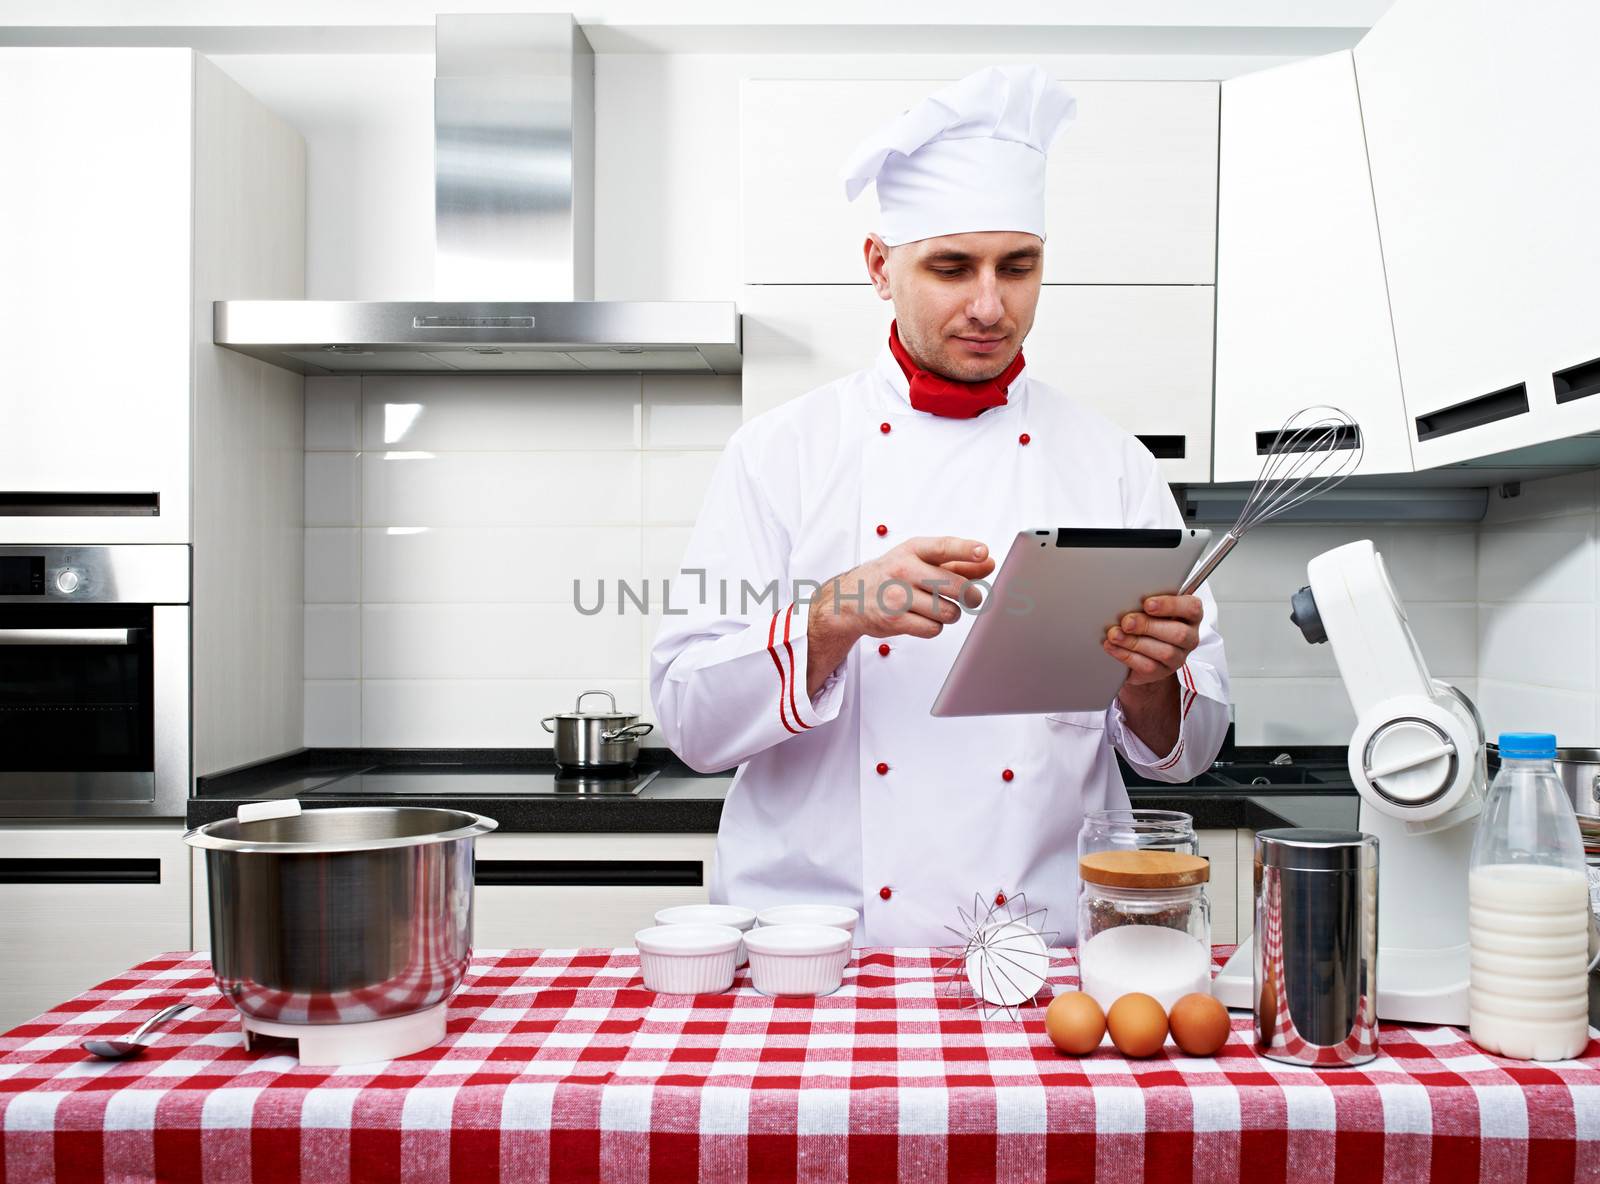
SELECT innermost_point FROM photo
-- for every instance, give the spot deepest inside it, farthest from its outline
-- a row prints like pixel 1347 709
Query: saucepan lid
pixel 578 712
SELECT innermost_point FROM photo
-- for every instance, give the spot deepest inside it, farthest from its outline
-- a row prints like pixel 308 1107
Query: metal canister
pixel 1316 966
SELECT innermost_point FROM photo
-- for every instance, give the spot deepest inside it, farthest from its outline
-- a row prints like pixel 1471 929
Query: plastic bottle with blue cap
pixel 1529 916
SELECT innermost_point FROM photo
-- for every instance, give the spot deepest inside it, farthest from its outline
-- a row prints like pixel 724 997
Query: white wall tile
pixel 332 489
pixel 333 414
pixel 1518 707
pixel 500 488
pixel 333 641
pixel 1292 711
pixel 1261 641
pixel 1546 645
pixel 675 485
pixel 663 552
pixel 494 713
pixel 333 714
pixel 333 564
pixel 691 410
pixel 1425 562
pixel 1541 561
pixel 498 641
pixel 475 564
pixel 443 413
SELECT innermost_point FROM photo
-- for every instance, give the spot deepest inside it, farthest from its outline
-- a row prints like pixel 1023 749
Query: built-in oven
pixel 94 681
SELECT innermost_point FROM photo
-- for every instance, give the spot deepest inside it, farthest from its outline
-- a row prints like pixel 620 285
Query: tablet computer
pixel 1034 644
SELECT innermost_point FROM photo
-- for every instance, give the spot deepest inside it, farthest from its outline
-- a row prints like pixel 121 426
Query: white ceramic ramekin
pixel 711 914
pixel 835 915
pixel 687 959
pixel 797 959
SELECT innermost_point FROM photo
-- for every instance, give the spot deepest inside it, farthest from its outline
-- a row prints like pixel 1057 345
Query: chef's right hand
pixel 911 589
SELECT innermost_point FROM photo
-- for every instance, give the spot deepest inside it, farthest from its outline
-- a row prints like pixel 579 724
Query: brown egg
pixel 1199 1024
pixel 1074 1023
pixel 1138 1025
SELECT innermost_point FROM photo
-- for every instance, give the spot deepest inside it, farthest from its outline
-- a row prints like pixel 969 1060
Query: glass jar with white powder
pixel 1144 925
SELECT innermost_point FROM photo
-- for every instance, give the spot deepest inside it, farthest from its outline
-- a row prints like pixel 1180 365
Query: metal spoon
pixel 133 1043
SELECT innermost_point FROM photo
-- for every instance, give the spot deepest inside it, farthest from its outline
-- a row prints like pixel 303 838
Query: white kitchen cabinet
pixel 1481 120
pixel 1139 355
pixel 559 891
pixel 1131 181
pixel 1302 310
pixel 798 337
pixel 81 903
pixel 1245 884
pixel 141 186
pixel 1219 848
pixel 94 310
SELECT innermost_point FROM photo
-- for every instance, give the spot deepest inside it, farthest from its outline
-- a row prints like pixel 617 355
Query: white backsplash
pixel 1538 585
pixel 446 521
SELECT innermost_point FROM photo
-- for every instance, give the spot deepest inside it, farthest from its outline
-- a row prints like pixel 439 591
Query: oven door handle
pixel 66 636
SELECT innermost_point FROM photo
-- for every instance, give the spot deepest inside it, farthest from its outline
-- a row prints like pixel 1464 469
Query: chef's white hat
pixel 968 157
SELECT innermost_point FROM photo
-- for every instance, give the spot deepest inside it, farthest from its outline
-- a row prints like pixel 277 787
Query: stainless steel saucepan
pixel 340 915
pixel 596 739
pixel 1579 770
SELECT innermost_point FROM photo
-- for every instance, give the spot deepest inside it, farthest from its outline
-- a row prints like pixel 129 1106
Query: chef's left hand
pixel 1152 644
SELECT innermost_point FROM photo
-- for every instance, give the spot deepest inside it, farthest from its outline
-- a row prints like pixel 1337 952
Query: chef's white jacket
pixel 858 796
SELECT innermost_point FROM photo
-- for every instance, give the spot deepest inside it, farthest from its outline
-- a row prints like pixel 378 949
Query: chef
pixel 831 576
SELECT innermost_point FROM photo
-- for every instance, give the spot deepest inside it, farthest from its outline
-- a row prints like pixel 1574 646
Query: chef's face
pixel 963 302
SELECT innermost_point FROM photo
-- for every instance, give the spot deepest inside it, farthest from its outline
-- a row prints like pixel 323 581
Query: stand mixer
pixel 1417 761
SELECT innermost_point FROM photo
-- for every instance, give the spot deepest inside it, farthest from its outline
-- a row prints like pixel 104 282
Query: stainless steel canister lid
pixel 1306 849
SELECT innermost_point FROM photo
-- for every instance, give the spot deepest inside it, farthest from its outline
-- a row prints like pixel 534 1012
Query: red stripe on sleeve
pixel 772 632
pixel 794 710
pixel 1189 695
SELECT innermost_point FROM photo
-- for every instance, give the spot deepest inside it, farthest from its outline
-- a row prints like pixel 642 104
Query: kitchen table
pixel 559 1065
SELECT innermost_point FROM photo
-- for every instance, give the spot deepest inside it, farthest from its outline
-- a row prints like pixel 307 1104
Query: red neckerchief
pixel 938 395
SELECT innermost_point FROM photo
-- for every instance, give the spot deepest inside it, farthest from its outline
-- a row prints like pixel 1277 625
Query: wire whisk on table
pixel 1314 451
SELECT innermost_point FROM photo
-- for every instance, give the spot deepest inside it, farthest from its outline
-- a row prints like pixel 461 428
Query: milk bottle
pixel 1528 919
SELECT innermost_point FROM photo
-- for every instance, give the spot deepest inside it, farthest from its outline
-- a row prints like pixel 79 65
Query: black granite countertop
pixel 1313 791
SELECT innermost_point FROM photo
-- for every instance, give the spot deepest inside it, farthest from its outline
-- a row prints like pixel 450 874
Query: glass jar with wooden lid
pixel 1144 924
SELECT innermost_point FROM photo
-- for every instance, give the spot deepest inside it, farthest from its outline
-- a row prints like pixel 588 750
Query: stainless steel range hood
pixel 514 237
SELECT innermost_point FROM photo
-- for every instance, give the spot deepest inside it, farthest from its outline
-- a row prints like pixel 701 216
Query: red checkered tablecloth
pixel 560 1065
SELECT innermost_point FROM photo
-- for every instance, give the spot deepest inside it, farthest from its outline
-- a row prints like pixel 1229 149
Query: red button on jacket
pixel 1006 774
pixel 885 892
pixel 882 768
pixel 1024 438
pixel 882 530
pixel 884 428
pixel 883 649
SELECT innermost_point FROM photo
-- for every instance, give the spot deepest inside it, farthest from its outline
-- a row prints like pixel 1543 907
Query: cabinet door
pixel 798 337
pixel 1302 311
pixel 1219 849
pixel 1551 106
pixel 94 307
pixel 562 891
pixel 1141 356
pixel 81 904
pixel 1480 122
pixel 1131 181
pixel 1245 883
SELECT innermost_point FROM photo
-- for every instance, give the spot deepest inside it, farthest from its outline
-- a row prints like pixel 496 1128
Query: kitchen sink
pixel 1277 775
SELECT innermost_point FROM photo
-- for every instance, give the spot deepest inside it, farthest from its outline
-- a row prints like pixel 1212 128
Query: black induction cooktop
pixel 483 781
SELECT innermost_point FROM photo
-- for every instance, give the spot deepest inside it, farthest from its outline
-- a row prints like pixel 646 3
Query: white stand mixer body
pixel 1416 759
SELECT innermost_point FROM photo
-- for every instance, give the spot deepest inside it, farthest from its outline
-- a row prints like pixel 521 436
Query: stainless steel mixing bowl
pixel 342 915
